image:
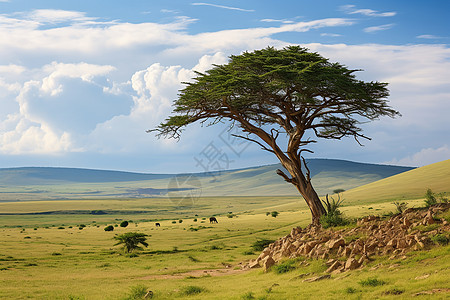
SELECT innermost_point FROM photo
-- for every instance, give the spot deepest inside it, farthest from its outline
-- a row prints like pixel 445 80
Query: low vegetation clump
pixel 440 239
pixel 274 214
pixel 124 224
pixel 371 282
pixel 400 206
pixel 107 228
pixel 333 217
pixel 137 292
pixel 192 290
pixel 259 245
pixel 432 198
pixel 284 267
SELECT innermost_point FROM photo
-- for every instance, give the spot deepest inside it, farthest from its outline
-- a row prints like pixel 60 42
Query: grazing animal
pixel 158 225
pixel 213 220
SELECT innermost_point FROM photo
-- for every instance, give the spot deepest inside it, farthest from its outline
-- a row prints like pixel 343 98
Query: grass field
pixel 49 257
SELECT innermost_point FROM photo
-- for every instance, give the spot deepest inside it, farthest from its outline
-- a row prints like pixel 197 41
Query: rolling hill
pixel 407 185
pixel 36 183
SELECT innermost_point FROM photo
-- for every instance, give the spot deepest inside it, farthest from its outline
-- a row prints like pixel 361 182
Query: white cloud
pixel 424 157
pixel 330 34
pixel 223 6
pixel 57 16
pixel 429 37
pixel 351 9
pixel 378 28
pixel 284 21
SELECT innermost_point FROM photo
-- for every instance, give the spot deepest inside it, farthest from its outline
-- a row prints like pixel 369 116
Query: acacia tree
pixel 131 240
pixel 292 92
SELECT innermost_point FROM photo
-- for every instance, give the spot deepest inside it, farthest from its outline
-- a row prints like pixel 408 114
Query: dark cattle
pixel 158 225
pixel 213 220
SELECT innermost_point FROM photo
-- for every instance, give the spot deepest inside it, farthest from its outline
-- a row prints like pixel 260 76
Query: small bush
pixel 248 252
pixel 56 254
pixel 60 227
pixel 394 291
pixel 430 198
pixel 174 222
pixel 400 206
pixel 259 245
pixel 35 228
pixel 124 224
pixel 195 220
pixel 440 239
pixel 350 290
pixel 82 225
pixel 284 267
pixel 371 282
pixel 333 217
pixel 108 228
pixel 192 290
pixel 180 221
pixel 248 296
pixel 268 213
pixel 274 214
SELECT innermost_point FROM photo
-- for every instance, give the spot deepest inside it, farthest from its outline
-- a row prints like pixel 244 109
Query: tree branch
pixel 254 141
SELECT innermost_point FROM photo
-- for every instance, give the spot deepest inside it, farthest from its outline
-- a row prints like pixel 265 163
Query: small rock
pixel 333 267
pixel 335 244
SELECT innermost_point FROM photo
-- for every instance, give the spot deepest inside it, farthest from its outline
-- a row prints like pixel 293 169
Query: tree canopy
pixel 289 91
pixel 131 240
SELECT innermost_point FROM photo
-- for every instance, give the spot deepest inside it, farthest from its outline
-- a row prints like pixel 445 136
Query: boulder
pixel 336 265
pixel 267 263
pixel 351 264
pixel 335 244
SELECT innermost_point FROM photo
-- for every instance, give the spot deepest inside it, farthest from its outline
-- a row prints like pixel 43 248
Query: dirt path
pixel 197 273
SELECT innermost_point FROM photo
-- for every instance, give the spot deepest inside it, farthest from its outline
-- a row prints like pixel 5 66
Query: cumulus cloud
pixel 424 157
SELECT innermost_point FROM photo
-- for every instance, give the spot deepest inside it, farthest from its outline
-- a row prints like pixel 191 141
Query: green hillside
pixel 408 185
pixel 69 183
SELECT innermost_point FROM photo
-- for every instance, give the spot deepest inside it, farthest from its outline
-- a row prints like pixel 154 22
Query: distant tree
pixel 124 224
pixel 338 191
pixel 274 214
pixel 292 92
pixel 131 240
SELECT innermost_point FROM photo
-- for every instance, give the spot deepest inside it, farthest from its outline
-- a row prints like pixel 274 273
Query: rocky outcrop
pixel 348 249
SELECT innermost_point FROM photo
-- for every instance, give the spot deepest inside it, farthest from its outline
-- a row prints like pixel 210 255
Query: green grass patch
pixel 192 290
pixel 371 282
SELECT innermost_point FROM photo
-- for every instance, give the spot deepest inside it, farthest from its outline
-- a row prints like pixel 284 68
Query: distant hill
pixel 38 183
pixel 407 185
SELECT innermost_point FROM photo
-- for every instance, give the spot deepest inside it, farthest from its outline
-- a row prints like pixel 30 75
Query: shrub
pixel 107 228
pixel 248 252
pixel 274 214
pixel 440 239
pixel 60 227
pixel 174 222
pixel 430 198
pixel 259 245
pixel 192 290
pixel 82 225
pixel 333 217
pixel 284 267
pixel 400 206
pixel 195 220
pixel 350 290
pixel 56 253
pixel 371 282
pixel 180 221
pixel 124 224
pixel 268 213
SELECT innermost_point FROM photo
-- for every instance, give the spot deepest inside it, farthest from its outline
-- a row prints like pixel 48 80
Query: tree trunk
pixel 305 188
pixel 312 200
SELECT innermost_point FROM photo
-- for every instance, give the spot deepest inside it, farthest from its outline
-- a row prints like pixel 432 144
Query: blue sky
pixel 81 81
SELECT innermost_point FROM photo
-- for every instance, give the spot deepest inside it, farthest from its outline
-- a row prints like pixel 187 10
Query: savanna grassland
pixel 68 254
